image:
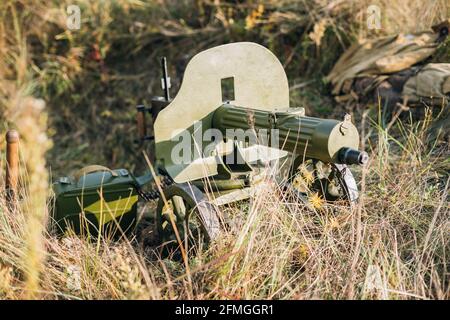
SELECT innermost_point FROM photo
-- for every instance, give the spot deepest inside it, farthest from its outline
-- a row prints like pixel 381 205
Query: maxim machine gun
pixel 229 126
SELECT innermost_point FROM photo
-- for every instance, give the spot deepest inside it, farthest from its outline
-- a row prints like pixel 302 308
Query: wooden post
pixel 12 165
pixel 141 125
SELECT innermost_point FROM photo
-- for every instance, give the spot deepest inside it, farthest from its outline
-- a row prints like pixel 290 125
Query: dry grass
pixel 393 244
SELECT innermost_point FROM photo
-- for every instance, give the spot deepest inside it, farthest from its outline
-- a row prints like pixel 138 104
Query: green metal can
pixel 96 200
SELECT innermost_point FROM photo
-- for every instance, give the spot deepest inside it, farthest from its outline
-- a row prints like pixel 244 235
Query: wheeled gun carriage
pixel 208 140
pixel 229 126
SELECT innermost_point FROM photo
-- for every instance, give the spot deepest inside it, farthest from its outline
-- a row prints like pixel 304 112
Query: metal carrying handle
pixel 91 169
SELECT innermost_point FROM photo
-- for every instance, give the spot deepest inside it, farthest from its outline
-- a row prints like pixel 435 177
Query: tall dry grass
pixel 392 244
pixel 27 114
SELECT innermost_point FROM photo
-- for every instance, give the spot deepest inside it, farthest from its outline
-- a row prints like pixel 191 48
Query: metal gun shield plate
pixel 260 82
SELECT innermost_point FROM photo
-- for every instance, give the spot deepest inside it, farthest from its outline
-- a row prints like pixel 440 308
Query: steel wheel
pixel 188 210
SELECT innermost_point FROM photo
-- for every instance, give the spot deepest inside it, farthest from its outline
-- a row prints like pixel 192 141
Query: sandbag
pixel 432 83
pixel 385 62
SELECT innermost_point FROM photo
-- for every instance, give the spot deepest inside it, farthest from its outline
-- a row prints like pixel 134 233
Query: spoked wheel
pixel 317 181
pixel 187 212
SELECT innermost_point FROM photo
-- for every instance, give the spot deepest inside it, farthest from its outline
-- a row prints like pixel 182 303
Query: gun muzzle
pixel 351 156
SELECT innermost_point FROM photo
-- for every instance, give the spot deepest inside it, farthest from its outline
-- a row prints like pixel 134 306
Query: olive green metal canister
pixel 96 199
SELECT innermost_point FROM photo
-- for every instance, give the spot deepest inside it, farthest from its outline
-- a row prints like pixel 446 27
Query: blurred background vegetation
pixel 72 96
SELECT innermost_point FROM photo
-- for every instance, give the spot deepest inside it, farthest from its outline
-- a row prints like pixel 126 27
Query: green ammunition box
pixel 96 200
